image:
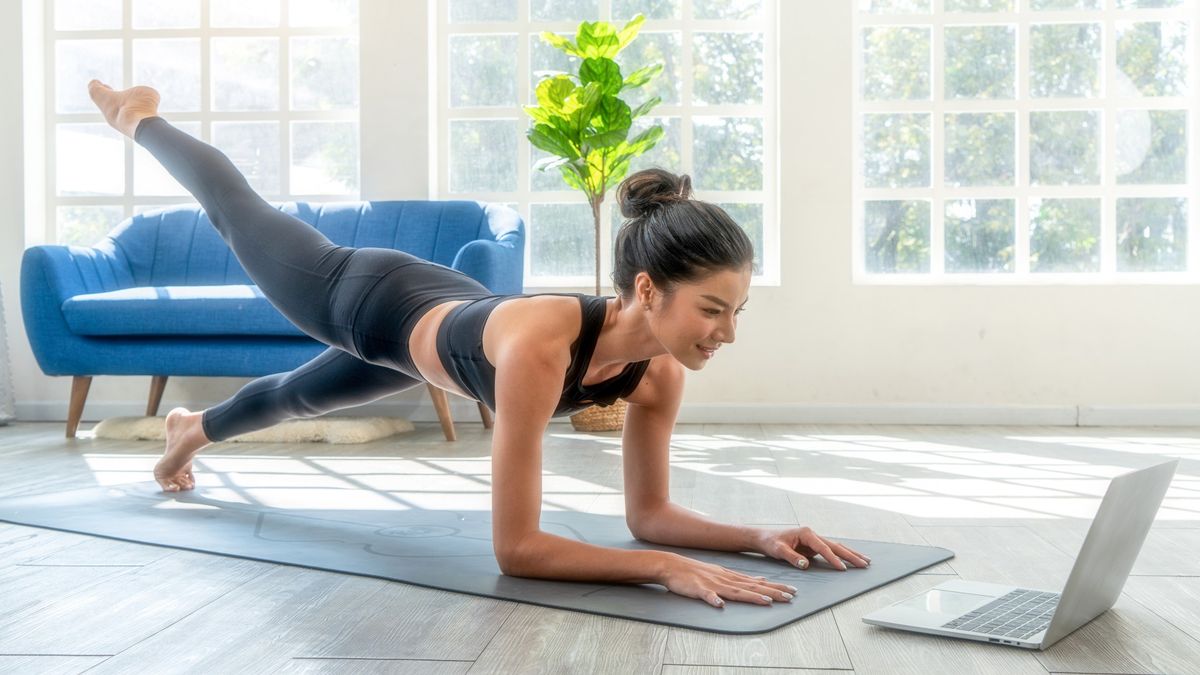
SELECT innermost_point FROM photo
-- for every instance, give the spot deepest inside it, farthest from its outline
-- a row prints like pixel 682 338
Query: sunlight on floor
pixel 1040 477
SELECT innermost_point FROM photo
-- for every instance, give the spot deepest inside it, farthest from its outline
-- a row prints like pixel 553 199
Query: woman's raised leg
pixel 297 268
pixel 332 381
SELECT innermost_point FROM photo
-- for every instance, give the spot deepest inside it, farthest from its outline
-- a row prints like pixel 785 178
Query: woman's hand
pixel 798 545
pixel 715 584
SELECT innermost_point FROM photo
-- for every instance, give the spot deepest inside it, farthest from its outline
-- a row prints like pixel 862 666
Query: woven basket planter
pixel 597 418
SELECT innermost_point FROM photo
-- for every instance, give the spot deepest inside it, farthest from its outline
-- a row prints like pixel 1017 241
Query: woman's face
pixel 699 317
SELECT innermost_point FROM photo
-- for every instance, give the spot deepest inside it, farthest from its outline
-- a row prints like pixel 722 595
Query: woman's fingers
pixel 825 552
pixel 855 558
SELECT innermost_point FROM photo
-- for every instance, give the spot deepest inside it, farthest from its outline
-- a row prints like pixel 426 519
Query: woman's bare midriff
pixel 422 343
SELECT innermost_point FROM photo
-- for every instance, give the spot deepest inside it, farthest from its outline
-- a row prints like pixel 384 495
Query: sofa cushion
pixel 176 310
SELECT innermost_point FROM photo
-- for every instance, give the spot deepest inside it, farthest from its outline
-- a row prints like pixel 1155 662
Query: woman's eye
pixel 713 312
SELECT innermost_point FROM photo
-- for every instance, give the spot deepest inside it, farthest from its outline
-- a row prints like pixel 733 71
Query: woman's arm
pixel 529 381
pixel 645 450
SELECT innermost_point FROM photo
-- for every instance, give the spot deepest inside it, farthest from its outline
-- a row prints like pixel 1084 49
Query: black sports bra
pixel 460 348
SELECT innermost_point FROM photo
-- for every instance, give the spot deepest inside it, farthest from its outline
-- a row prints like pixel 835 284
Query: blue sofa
pixel 162 295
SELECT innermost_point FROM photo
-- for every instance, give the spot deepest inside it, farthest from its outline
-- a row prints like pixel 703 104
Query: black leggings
pixel 363 303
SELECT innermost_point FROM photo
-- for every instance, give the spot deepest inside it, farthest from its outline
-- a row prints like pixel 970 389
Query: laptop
pixel 1036 619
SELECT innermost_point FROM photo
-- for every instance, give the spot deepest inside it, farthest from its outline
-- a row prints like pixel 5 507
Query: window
pixel 272 83
pixel 718 113
pixel 1026 140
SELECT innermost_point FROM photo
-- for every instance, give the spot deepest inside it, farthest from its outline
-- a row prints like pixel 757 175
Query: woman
pixel 393 321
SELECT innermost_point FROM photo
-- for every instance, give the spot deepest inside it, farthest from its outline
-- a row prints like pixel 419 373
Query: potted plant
pixel 582 121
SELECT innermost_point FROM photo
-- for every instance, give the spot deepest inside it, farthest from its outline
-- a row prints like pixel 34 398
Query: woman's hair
pixel 672 237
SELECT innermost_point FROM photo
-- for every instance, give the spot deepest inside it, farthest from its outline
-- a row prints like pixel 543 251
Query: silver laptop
pixel 1037 619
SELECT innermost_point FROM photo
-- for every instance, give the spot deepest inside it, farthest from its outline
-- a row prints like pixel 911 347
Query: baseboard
pixel 466 412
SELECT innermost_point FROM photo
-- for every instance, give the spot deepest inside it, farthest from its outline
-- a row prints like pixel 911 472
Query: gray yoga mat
pixel 449 550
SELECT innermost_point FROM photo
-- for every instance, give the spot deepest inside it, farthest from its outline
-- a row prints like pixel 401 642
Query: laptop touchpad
pixel 951 603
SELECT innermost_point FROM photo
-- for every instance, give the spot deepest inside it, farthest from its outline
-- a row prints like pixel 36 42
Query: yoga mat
pixel 449 550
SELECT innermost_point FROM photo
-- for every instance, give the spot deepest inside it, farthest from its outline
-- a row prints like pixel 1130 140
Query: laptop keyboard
pixel 1019 614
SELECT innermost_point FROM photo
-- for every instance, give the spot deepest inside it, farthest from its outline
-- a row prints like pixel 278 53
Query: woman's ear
pixel 643 290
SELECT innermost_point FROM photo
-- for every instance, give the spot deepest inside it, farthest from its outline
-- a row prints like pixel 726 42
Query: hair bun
pixel 650 189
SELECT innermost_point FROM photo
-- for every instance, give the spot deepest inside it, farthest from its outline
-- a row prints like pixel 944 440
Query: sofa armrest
pixel 498 265
pixel 50 275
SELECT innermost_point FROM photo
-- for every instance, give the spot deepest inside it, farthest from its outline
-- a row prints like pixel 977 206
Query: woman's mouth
pixel 708 353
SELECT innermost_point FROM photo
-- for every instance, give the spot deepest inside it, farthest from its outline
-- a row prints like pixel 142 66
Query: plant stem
pixel 596 201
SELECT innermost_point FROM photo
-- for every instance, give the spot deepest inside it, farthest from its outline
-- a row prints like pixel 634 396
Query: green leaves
pixel 581 119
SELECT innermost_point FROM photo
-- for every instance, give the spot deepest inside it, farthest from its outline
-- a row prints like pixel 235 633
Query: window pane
pixel 1064 235
pixel 245 73
pixel 895 63
pixel 77 62
pixel 648 48
pixel 89 160
pixel 483 155
pixel 244 13
pixel 1152 146
pixel 149 176
pixel 665 153
pixel 564 10
pixel 894 6
pixel 979 5
pixel 1152 59
pixel 727 9
pixel 1152 235
pixel 159 14
pixel 173 68
pixel 1134 4
pixel 324 73
pixel 562 240
pixel 253 147
pixel 981 149
pixel 727 153
pixel 87 14
pixel 1064 148
pixel 980 235
pixel 1064 60
pixel 323 13
pixel 546 61
pixel 980 62
pixel 750 218
pixel 896 150
pixel 466 11
pixel 86 225
pixel 623 10
pixel 324 158
pixel 897 236
pixel 1052 5
pixel 728 67
pixel 483 70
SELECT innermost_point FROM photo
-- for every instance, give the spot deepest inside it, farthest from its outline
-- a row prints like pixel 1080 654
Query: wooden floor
pixel 1012 502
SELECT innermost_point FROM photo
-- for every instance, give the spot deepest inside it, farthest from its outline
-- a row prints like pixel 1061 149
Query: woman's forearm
pixel 547 556
pixel 673 525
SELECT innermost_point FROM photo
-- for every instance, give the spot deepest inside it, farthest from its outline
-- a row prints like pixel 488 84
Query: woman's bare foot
pixel 124 109
pixel 185 438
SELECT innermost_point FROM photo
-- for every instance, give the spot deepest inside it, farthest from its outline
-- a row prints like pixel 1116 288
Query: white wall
pixel 816 348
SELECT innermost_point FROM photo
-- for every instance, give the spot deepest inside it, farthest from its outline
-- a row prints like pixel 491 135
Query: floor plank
pixel 552 641
pixel 48 665
pixel 78 619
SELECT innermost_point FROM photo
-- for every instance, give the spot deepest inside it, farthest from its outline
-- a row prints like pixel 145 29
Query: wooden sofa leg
pixel 79 391
pixel 486 415
pixel 442 404
pixel 157 384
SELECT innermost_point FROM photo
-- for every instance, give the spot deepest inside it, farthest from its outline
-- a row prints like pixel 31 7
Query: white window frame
pixel 205 116
pixel 1108 191
pixel 441 113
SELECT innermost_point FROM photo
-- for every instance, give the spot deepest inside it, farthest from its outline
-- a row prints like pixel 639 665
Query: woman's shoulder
pixel 533 327
pixel 662 382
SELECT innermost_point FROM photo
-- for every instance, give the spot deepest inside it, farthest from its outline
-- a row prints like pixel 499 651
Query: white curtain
pixel 6 383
